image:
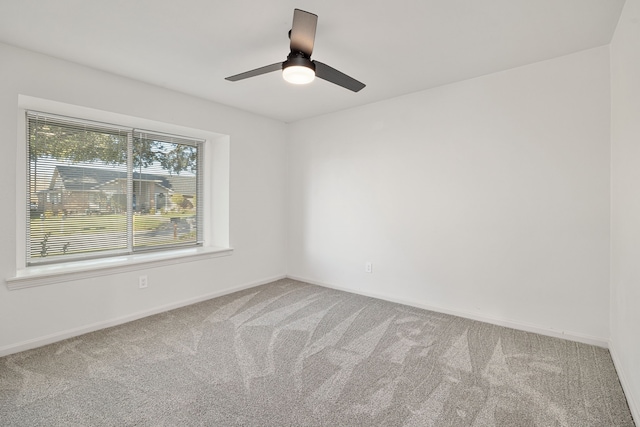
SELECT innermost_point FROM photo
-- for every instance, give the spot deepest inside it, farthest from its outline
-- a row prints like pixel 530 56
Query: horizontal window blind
pixel 97 190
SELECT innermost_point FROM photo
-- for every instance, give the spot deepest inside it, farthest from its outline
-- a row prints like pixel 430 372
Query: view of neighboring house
pixel 88 190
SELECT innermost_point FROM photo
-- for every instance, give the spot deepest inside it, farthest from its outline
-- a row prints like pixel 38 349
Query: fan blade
pixel 262 70
pixel 332 75
pixel 303 31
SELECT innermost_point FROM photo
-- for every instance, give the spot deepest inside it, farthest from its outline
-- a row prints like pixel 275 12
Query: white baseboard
pixel 62 335
pixel 632 400
pixel 571 336
pixel 70 333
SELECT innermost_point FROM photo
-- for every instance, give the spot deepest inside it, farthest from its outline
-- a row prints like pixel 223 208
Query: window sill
pixel 64 272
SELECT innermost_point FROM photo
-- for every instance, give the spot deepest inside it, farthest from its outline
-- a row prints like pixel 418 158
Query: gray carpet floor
pixel 293 354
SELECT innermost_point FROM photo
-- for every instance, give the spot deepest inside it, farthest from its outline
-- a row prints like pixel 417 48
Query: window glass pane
pixel 77 188
pixel 96 190
pixel 164 191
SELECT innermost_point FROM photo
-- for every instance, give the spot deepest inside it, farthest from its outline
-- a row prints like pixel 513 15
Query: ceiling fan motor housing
pixel 299 59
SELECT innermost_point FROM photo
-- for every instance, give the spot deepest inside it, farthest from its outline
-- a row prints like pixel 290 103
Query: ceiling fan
pixel 299 68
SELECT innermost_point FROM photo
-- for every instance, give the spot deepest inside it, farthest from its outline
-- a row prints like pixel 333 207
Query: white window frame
pixel 216 150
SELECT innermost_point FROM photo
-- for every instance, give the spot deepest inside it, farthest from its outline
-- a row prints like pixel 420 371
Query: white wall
pixel 625 202
pixel 488 197
pixel 257 203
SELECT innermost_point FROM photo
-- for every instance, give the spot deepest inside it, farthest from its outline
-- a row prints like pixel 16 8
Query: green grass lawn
pixel 100 223
pixel 55 232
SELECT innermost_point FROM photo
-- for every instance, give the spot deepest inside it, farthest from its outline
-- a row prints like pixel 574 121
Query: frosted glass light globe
pixel 298 75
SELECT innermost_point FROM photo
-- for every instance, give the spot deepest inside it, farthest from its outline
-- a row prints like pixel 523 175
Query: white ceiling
pixel 395 47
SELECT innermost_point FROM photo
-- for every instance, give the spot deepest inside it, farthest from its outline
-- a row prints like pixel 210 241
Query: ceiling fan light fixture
pixel 299 69
pixel 298 74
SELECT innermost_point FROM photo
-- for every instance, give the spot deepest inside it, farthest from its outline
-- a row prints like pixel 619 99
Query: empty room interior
pixel 442 228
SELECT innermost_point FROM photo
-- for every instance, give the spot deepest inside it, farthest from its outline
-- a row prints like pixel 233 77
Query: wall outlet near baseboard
pixel 368 267
pixel 143 282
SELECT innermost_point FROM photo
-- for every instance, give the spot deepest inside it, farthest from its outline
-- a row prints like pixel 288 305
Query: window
pixel 96 190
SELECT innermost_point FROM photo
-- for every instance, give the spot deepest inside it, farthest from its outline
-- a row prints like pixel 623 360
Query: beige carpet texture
pixel 293 354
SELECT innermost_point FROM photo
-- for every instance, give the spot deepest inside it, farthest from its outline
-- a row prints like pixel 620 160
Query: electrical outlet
pixel 143 282
pixel 368 268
